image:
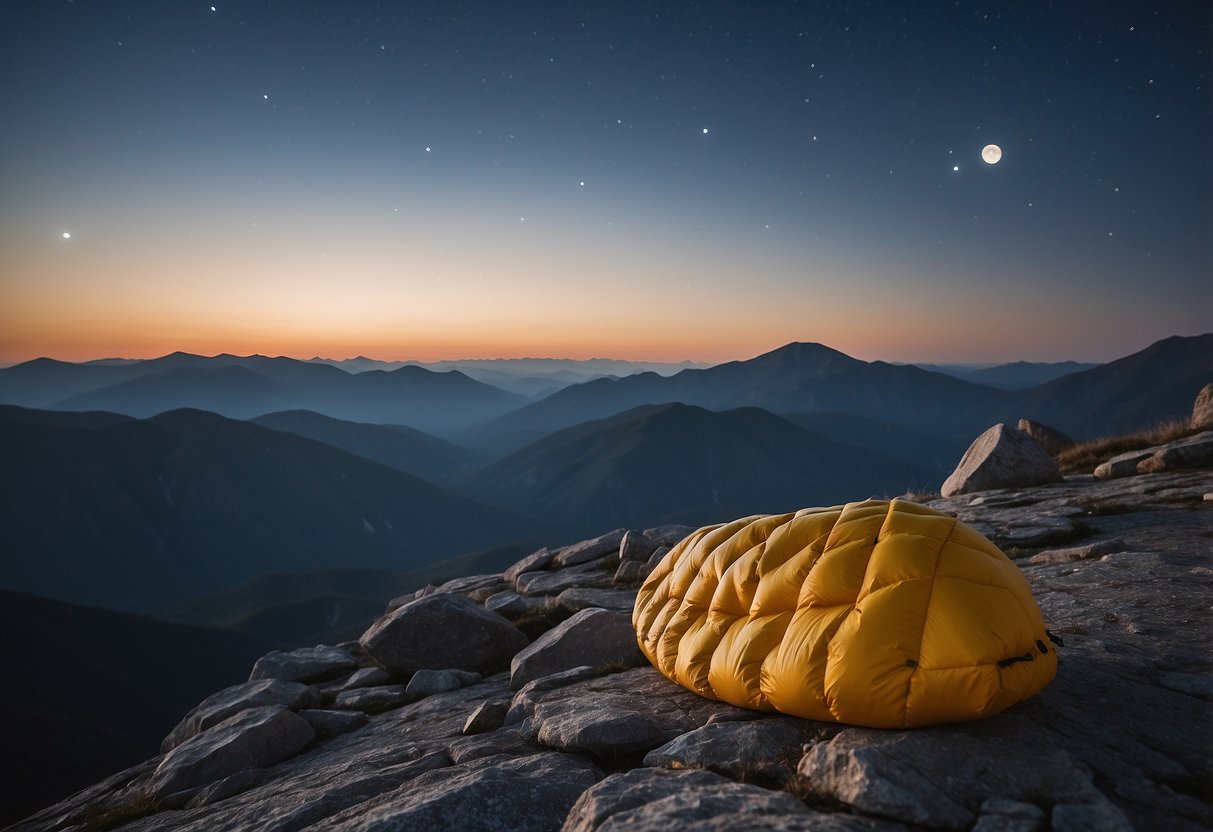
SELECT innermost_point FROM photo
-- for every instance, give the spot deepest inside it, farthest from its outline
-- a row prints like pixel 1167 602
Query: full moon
pixel 991 154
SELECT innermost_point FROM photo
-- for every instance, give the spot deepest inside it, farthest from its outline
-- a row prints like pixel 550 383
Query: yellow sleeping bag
pixel 884 614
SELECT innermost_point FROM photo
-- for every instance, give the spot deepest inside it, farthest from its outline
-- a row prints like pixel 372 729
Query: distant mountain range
pixel 676 463
pixel 532 377
pixel 245 387
pixel 135 514
pixel 62 733
pixel 811 378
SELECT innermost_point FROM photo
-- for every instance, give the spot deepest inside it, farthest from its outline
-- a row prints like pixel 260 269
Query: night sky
pixel 662 181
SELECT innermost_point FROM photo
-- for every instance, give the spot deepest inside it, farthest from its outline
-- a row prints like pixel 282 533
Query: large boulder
pixel 230 701
pixel 1202 408
pixel 1002 457
pixel 307 664
pixel 594 637
pixel 442 631
pixel 1051 439
pixel 251 739
pixel 588 550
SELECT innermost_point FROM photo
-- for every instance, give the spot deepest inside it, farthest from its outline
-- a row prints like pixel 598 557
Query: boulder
pixel 615 715
pixel 372 700
pixel 579 598
pixel 1002 457
pixel 531 563
pixel 755 750
pixel 660 800
pixel 941 778
pixel 430 682
pixel 1052 440
pixel 493 794
pixel 307 664
pixel 594 636
pixel 329 724
pixel 230 701
pixel 254 738
pixel 1202 408
pixel 631 572
pixel 515 605
pixel 635 546
pixel 668 535
pixel 363 677
pixel 553 583
pixel 441 631
pixel 524 701
pixel 588 550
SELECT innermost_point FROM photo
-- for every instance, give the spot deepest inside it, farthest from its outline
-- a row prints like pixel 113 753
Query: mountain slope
pixel 395 446
pixel 676 463
pixel 246 386
pixel 1134 392
pixel 62 733
pixel 796 378
pixel 140 513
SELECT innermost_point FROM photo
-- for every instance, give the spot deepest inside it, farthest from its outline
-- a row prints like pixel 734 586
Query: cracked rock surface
pixel 1122 569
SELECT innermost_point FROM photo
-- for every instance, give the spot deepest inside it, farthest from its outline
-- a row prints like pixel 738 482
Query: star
pixel 67 235
pixel 705 131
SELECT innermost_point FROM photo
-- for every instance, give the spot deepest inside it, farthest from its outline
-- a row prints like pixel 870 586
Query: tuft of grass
pixel 1083 457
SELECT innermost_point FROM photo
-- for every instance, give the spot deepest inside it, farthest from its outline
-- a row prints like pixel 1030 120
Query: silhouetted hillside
pixel 395 446
pixel 886 437
pixel 675 463
pixel 1017 375
pixel 138 514
pixel 246 386
pixel 797 378
pixel 88 692
pixel 1131 393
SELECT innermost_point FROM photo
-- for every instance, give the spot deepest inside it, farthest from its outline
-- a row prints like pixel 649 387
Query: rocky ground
pixel 443 716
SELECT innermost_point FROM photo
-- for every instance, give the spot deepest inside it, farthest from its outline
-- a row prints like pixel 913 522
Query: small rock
pixel 230 701
pixel 594 636
pixel 372 699
pixel 579 598
pixel 531 563
pixel 307 664
pixel 328 724
pixel 441 631
pixel 1073 553
pixel 513 605
pixel 1001 457
pixel 588 550
pixel 762 749
pixel 635 547
pixel 488 717
pixel 1052 440
pixel 254 738
pixel 552 583
pixel 363 677
pixel 631 573
pixel 430 682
